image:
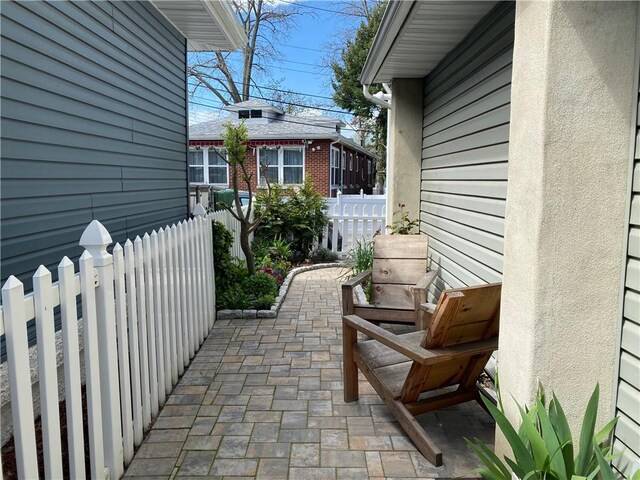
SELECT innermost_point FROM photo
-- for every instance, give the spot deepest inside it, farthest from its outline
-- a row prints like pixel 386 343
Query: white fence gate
pixel 351 218
pixel 146 310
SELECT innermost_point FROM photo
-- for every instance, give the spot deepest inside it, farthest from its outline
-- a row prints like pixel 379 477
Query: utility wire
pixel 305 5
pixel 280 90
pixel 294 104
pixel 283 61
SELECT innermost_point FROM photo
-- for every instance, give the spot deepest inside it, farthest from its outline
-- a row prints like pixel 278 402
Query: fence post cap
pixel 95 235
pixel 199 210
pixel 95 239
pixel 41 272
pixel 65 262
pixel 11 283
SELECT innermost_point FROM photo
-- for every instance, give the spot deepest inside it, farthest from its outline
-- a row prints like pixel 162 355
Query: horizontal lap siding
pixel 627 433
pixel 464 154
pixel 93 126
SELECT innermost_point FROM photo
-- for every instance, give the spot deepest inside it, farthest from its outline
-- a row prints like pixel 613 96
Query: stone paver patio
pixel 263 399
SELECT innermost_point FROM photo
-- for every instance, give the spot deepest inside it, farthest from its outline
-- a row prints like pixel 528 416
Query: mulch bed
pixel 9 467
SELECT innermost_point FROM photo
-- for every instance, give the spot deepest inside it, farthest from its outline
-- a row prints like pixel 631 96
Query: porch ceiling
pixel 207 24
pixel 416 34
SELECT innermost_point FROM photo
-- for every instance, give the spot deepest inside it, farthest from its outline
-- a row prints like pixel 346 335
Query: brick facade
pixel 317 164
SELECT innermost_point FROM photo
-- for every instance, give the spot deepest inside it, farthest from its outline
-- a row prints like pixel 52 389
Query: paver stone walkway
pixel 263 399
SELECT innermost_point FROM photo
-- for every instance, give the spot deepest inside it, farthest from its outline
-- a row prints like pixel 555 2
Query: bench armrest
pixel 416 352
pixel 356 279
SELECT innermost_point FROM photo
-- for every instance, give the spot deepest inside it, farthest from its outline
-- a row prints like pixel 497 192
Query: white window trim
pixel 281 166
pixel 205 166
pixel 335 179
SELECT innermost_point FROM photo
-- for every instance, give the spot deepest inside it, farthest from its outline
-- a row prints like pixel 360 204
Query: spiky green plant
pixel 543 448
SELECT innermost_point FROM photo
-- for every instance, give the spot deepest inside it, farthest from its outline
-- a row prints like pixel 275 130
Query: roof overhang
pixel 414 35
pixel 207 24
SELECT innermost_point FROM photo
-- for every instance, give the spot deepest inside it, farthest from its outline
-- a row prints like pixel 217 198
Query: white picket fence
pixel 145 310
pixel 233 225
pixel 352 218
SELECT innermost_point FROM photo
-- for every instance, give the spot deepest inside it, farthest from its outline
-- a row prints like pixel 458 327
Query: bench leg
pixel 350 369
pixel 415 431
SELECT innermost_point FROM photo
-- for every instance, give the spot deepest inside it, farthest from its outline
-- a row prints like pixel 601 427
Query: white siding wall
pixel 464 154
pixel 627 434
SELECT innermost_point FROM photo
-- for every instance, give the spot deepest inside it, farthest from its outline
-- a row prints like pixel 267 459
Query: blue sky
pixel 301 65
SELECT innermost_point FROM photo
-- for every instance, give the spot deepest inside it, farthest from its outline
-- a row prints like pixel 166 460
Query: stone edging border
pixel 284 288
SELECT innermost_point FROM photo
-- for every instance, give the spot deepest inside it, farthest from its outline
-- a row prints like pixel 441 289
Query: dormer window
pixel 243 114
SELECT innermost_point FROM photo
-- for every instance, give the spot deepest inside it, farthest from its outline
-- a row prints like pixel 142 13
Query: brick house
pixel 290 146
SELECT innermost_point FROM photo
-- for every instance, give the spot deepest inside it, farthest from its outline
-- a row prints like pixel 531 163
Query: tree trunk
pixel 246 248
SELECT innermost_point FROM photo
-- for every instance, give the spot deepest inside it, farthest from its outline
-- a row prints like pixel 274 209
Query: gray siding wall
pixel 464 154
pixel 627 433
pixel 94 126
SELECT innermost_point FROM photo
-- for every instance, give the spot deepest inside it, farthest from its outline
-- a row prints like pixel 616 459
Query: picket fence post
pixel 15 330
pixel 47 373
pixel 95 240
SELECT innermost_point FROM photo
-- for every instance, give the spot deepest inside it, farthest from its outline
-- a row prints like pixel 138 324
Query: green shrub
pixel 264 302
pixel 323 254
pixel 360 257
pixel 222 241
pixel 234 299
pixel 260 284
pixel 543 447
pixel 296 216
pixel 403 225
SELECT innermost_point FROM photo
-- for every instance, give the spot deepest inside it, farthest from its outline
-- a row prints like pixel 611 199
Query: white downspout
pixel 380 99
pixel 383 100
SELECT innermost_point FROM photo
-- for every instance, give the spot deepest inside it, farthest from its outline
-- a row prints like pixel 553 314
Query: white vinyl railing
pixel 233 225
pixel 351 218
pixel 145 310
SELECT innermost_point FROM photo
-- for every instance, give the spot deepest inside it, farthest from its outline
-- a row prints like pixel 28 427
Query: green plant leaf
pixel 585 454
pixel 551 440
pixel 559 419
pixel 606 471
pixel 489 458
pixel 605 432
pixel 537 445
pixel 523 457
pixel 517 469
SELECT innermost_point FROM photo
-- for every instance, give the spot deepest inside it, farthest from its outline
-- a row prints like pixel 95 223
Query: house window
pixel 196 166
pixel 351 172
pixel 344 167
pixel 284 165
pixel 335 166
pixel 244 114
pixel 217 167
pixel 293 165
pixel 208 166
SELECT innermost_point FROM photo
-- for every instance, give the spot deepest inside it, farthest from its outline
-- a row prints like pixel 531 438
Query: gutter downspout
pixel 383 100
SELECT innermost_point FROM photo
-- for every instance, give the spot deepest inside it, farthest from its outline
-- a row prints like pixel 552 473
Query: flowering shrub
pixel 278 269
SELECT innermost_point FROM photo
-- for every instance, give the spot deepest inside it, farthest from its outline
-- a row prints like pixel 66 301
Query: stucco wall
pixel 404 152
pixel 570 136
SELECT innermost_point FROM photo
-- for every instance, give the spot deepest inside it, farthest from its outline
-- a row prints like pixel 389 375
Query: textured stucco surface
pixel 405 147
pixel 571 116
